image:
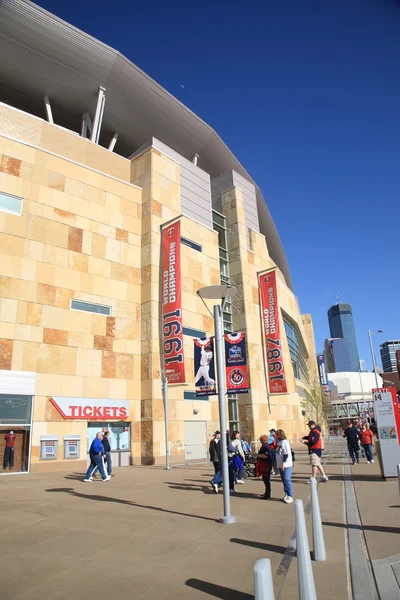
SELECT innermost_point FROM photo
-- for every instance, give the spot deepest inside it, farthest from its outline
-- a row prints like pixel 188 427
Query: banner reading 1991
pixel 273 345
pixel 172 303
pixel 237 376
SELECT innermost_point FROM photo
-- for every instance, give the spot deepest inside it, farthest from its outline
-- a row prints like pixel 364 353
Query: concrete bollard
pixel 263 586
pixel 318 534
pixel 304 567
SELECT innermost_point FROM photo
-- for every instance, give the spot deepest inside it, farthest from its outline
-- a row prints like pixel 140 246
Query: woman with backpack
pixel 284 462
pixel 240 458
pixel 263 466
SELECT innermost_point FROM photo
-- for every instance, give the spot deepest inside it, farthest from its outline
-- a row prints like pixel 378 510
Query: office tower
pixel 341 325
pixel 388 355
pixel 337 355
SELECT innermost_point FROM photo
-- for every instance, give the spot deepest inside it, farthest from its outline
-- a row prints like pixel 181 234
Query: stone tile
pixel 98 245
pixel 49 359
pixel 75 236
pixel 79 262
pixel 10 165
pixel 56 181
pixel 122 235
pixel 110 326
pixel 63 297
pixel 31 352
pixel 6 351
pixel 103 343
pixel 99 326
pixel 57 337
pixel 108 365
pixel 125 273
pixel 124 366
pixel 68 361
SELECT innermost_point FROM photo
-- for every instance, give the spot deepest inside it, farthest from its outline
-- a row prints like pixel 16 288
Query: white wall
pixel 354 384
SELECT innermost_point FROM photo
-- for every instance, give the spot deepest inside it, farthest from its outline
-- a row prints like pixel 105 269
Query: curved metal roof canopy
pixel 41 55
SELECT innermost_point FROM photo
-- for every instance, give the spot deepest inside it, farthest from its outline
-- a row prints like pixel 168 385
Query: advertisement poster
pixel 204 367
pixel 172 303
pixel 387 416
pixel 237 376
pixel 323 375
pixel 270 318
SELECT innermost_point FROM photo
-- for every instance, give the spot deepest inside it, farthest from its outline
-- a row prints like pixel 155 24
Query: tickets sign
pixel 273 345
pixel 172 303
pixel 237 376
pixel 91 409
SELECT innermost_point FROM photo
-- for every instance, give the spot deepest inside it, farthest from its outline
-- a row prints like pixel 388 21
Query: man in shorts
pixel 314 442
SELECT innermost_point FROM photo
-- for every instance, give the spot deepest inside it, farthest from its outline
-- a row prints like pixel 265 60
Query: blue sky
pixel 307 96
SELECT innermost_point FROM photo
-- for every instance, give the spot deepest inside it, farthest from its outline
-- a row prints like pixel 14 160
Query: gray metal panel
pixel 43 55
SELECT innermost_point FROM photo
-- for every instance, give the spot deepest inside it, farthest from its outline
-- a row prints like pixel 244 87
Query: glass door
pixel 120 440
pixel 15 433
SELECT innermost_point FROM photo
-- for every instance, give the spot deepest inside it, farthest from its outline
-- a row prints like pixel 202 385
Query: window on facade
pixel 233 412
pixel 191 244
pixel 10 204
pixel 188 395
pixel 196 333
pixel 99 309
pixel 296 353
pixel 219 225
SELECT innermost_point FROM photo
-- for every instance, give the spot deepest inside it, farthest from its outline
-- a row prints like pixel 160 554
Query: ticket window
pixel 48 447
pixel 72 446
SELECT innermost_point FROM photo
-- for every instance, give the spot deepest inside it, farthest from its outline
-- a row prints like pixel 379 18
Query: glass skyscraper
pixel 341 325
pixel 388 355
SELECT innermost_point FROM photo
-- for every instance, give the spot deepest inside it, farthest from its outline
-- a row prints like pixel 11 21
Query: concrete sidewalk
pixel 152 534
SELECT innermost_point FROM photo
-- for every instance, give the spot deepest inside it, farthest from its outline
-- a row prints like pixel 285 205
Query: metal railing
pixel 189 454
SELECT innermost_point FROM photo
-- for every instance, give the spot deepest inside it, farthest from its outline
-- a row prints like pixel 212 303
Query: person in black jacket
pixel 353 442
pixel 107 452
pixel 215 458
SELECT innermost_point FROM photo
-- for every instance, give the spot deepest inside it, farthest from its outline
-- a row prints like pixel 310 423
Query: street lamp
pixel 163 375
pixel 221 293
pixel 370 334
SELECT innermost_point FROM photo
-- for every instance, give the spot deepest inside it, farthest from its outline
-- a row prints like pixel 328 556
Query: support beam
pixel 47 106
pixel 195 159
pixel 86 125
pixel 98 117
pixel 113 142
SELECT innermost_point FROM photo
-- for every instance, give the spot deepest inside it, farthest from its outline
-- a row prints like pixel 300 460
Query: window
pixel 98 309
pixel 10 204
pixel 191 244
pixel 192 396
pixel 219 226
pixel 296 353
pixel 233 412
pixel 196 333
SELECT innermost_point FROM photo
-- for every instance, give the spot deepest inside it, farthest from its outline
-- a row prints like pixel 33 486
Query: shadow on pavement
pixel 128 502
pixel 366 527
pixel 218 591
pixel 260 545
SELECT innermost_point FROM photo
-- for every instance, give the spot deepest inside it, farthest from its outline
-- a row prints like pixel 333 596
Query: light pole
pixel 164 387
pixel 222 293
pixel 370 334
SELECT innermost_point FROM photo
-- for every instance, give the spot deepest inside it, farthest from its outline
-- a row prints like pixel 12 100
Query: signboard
pixel 237 376
pixel 91 409
pixel 387 415
pixel 172 303
pixel 273 347
pixel 204 369
pixel 323 375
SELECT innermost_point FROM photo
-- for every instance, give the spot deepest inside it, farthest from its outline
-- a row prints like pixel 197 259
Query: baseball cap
pixel 311 423
pixel 272 430
pixel 11 433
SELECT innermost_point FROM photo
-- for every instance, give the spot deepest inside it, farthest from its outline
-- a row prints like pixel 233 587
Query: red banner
pixel 273 344
pixel 172 303
pixel 237 376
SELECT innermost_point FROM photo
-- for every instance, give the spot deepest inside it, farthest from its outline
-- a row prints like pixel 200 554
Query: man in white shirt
pixel 204 369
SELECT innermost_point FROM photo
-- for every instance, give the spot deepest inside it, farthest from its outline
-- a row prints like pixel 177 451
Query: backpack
pixel 293 457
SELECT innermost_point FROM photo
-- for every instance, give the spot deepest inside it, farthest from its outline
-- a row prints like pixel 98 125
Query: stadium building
pixel 95 157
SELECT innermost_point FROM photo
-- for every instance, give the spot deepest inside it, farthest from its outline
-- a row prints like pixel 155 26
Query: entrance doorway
pixel 15 433
pixel 195 436
pixel 120 440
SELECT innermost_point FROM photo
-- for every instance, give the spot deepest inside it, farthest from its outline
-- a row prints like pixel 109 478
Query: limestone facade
pixel 90 230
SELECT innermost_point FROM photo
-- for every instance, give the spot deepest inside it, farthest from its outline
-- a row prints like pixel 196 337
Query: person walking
pixel 263 466
pixel 314 442
pixel 215 458
pixel 272 443
pixel 240 457
pixel 232 452
pixel 96 453
pixel 284 462
pixel 353 439
pixel 366 438
pixel 107 452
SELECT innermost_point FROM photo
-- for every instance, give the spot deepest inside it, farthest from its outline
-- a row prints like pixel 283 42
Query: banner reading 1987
pixel 237 376
pixel 172 303
pixel 273 344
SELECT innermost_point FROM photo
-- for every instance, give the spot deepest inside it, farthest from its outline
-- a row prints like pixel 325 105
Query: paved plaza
pixel 149 534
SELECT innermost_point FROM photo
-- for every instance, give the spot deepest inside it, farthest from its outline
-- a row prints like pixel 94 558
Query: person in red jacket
pixel 314 442
pixel 366 438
